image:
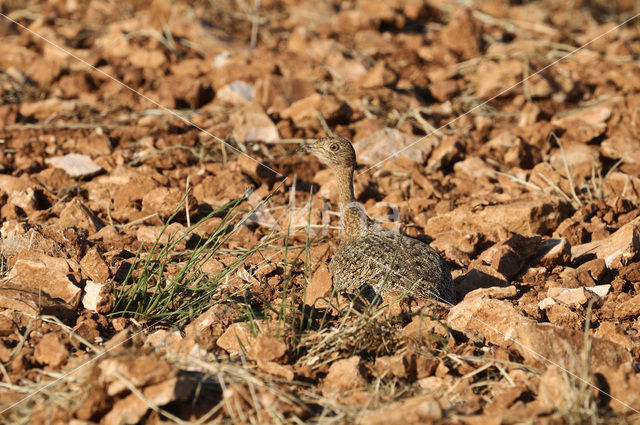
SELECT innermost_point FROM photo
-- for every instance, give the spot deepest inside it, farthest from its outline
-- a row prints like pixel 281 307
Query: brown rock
pixel 139 371
pixel 87 329
pixel 173 389
pixel 35 277
pixel 162 235
pixel 591 272
pixel 75 165
pixel 614 332
pixel 98 297
pixel 7 326
pixel 421 330
pixel 252 124
pixel 573 297
pixel 411 366
pixel 354 20
pixel 623 383
pixel 390 142
pixel 42 109
pixel 594 115
pixel 446 153
pixel 561 315
pixel 32 302
pixel 164 201
pixel 628 309
pixel 265 347
pixel 504 398
pixel 320 286
pixel 528 115
pixel 474 167
pixel 75 214
pixel 480 276
pixel 554 252
pixel 622 246
pixel 236 93
pixel 211 324
pixel 276 369
pixel 462 34
pixel 413 411
pixel 94 266
pixel 580 158
pixel 344 375
pixel 276 92
pixel 444 90
pixel 51 350
pixel 239 337
pixel 495 292
pixel 332 109
pixel 132 408
pixel 497 320
pixel 526 217
pixel 493 77
pixel 541 343
pixel 23 194
pixel 377 76
pixel 622 146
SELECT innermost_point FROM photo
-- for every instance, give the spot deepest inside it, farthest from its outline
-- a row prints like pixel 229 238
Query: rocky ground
pixel 164 248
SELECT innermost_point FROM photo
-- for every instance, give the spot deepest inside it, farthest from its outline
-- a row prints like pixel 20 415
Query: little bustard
pixel 372 260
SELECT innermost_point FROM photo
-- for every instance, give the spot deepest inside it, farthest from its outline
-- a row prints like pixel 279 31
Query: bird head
pixel 334 152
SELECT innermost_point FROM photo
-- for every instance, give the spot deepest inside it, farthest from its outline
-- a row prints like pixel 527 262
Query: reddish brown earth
pixel 531 197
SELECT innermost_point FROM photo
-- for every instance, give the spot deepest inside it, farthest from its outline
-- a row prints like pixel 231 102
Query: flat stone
pixel 252 124
pixel 35 276
pixel 140 371
pixel 276 369
pixel 527 217
pixel 497 320
pixel 448 151
pixel 44 108
pixel 554 252
pixel 415 410
pixel 480 276
pixel 546 303
pixel 320 287
pixel 572 297
pixel 495 292
pixel 595 115
pixel 266 347
pixel 51 350
pixel 628 309
pixel 236 93
pixel 622 146
pixel 211 324
pixel 622 246
pixel 390 142
pixel 76 214
pixel 238 337
pixel 94 266
pixel 541 343
pixel 474 167
pixel 331 108
pixel 75 165
pixel 600 290
pixel 97 297
pixel 344 375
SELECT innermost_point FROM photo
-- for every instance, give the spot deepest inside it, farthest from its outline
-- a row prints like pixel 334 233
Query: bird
pixel 372 261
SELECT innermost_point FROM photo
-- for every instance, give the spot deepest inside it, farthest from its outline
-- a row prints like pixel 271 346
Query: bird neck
pixel 354 218
pixel 344 178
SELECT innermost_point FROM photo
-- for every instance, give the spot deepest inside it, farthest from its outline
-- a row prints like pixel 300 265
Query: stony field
pixel 164 248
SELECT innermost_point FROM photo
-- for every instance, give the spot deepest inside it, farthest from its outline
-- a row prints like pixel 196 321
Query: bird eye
pixel 334 147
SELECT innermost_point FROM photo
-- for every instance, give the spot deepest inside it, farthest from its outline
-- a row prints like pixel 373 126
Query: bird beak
pixel 304 148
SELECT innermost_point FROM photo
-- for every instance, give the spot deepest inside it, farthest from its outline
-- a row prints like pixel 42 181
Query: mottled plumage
pixel 371 258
